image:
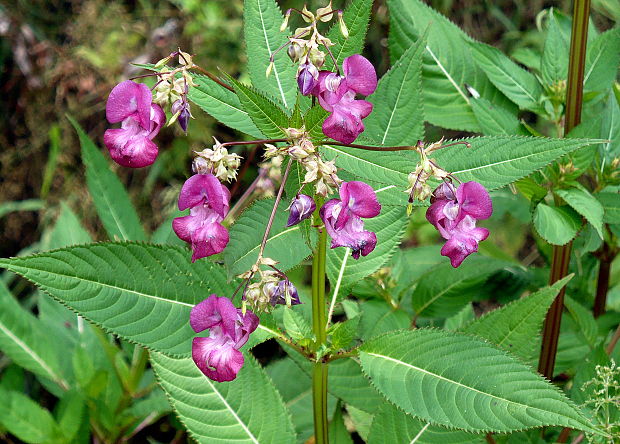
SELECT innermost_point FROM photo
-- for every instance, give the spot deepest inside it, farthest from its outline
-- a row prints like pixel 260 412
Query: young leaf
pixel 602 61
pixel 261 26
pixel 111 200
pixel 246 410
pixel 458 381
pixel 611 206
pixel 313 120
pixel 297 327
pixel 342 333
pixel 557 225
pixel 495 120
pixel 398 114
pixel 586 205
pixel 554 61
pixel 356 17
pixel 141 292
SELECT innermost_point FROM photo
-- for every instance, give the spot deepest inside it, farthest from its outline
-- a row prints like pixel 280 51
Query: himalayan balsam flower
pixel 454 213
pixel 301 208
pixel 131 145
pixel 207 200
pixel 342 218
pixel 282 293
pixel 218 356
pixel 337 95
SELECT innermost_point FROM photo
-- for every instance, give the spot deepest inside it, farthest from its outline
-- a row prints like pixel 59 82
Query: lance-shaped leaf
pixel 143 293
pixel 111 200
pixel 247 410
pixel 458 381
pixel 495 120
pixel 610 130
pixel 602 61
pixel 261 26
pixel 356 17
pixel 554 61
pixel 27 420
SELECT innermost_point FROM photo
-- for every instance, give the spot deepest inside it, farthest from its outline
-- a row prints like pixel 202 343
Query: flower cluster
pixel 217 161
pixel 454 213
pixel 218 356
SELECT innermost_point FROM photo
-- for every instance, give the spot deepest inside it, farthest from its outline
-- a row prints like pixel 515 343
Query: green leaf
pixel 313 120
pixel 22 205
pixel 611 130
pixel 356 17
pixel 266 115
pixel 391 425
pixel 222 104
pixel 342 333
pixel 586 324
pixel 512 326
pixel 247 233
pixel 23 339
pixel 27 420
pixel 67 230
pixel 143 293
pixel 611 205
pixel 458 381
pixel 70 413
pixel 111 200
pixel 447 64
pixel 495 120
pixel 378 318
pixel 338 433
pixel 261 26
pixel 398 115
pixel 554 61
pixel 602 61
pixel 586 205
pixel 515 82
pixel 297 327
pixel 246 410
pixel 557 225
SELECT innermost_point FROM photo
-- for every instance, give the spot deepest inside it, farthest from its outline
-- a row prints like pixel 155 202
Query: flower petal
pixel 208 240
pixel 360 74
pixel 129 98
pixel 130 150
pixel 200 187
pixel 157 120
pixel 360 198
pixel 343 126
pixel 218 360
pixel 474 200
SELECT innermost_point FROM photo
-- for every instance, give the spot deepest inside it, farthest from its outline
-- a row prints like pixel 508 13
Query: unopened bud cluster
pixel 269 174
pixel 217 161
pixel 270 289
pixel 426 169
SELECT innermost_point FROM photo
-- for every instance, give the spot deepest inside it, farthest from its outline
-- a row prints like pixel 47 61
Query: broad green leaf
pixel 515 82
pixel 398 115
pixel 356 17
pixel 554 61
pixel 557 225
pixel 297 327
pixel 313 120
pixel 23 339
pixel 602 61
pixel 143 293
pixel 342 333
pixel 378 317
pixel 27 420
pixel 247 233
pixel 266 115
pixel 111 200
pixel 246 410
pixel 586 205
pixel 586 324
pixel 495 120
pixel 611 130
pixel 611 205
pixel 444 290
pixel 447 64
pixel 410 264
pixel 222 104
pixel 261 26
pixel 458 381
pixel 512 326
pixel 391 425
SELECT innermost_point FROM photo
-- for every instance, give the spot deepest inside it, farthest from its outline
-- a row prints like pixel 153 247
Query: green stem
pixel 138 366
pixel 561 254
pixel 319 371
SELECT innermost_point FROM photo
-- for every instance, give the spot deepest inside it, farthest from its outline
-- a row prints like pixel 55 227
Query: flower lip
pixel 129 98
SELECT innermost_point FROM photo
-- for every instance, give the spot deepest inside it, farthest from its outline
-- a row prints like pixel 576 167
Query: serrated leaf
pixel 247 233
pixel 602 61
pixel 246 410
pixel 554 61
pixel 111 200
pixel 586 205
pixel 261 27
pixel 516 83
pixel 297 327
pixel 557 225
pixel 586 324
pixel 141 292
pixel 512 326
pixel 342 333
pixel 356 17
pixel 458 381
pixel 495 120
pixel 611 130
pixel 391 425
pixel 611 205
pixel 266 115
pixel 398 114
pixel 313 120
pixel 378 317
pixel 221 104
pixel 27 420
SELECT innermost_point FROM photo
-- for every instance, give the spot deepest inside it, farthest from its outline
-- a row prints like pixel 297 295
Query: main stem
pixel 561 254
pixel 319 371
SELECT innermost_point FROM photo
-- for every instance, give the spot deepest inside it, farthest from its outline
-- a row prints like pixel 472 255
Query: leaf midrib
pixel 275 68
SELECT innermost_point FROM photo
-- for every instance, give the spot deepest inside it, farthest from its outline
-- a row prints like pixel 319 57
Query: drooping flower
pixel 342 218
pixel 282 293
pixel 218 356
pixel 301 208
pixel 207 200
pixel 132 145
pixel 181 112
pixel 454 213
pixel 307 78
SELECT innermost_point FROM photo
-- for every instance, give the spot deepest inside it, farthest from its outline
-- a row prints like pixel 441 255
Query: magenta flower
pixel 307 78
pixel 218 356
pixel 207 200
pixel 454 213
pixel 342 218
pixel 337 95
pixel 131 145
pixel 301 208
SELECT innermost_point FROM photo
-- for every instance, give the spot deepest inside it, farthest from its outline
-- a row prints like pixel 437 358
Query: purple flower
pixel 337 95
pixel 182 107
pixel 218 356
pixel 301 208
pixel 131 145
pixel 342 218
pixel 207 200
pixel 278 291
pixel 307 78
pixel 454 213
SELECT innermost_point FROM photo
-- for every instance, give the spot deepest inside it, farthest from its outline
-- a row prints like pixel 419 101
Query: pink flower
pixel 218 356
pixel 454 213
pixel 131 145
pixel 342 218
pixel 337 95
pixel 207 200
pixel 301 208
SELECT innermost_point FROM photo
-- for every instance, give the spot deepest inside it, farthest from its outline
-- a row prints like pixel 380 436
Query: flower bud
pixel 445 191
pixel 307 78
pixel 269 68
pixel 181 109
pixel 316 57
pixel 343 27
pixel 301 208
pixel 200 165
pixel 325 14
pixel 284 293
pixel 307 15
pixel 295 51
pixel 284 24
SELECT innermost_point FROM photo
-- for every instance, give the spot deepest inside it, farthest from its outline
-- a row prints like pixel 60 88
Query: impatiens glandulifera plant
pixel 376 355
